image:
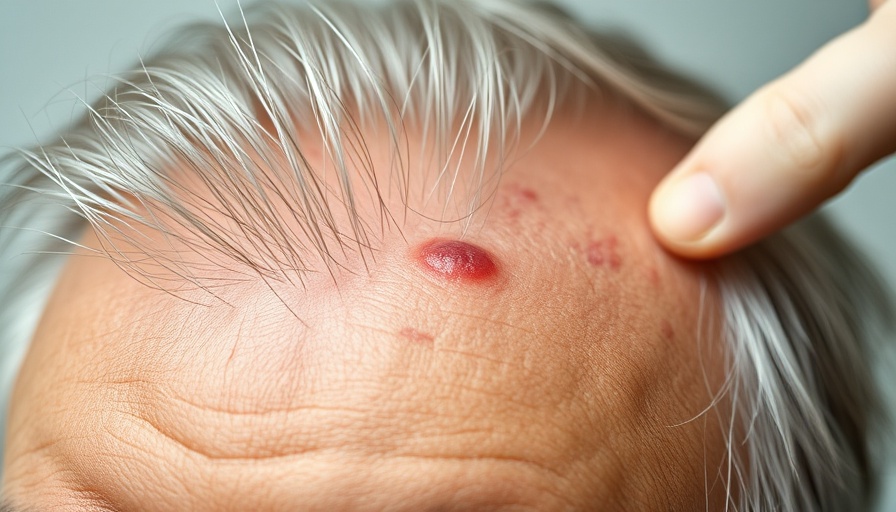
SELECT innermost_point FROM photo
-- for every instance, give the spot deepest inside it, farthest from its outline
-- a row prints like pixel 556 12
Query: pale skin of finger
pixel 786 149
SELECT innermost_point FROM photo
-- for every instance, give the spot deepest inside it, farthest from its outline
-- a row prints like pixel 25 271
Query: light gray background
pixel 48 48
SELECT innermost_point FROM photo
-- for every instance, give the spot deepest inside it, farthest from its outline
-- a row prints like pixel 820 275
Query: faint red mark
pixel 527 194
pixel 653 276
pixel 666 330
pixel 416 336
pixel 604 252
pixel 521 194
pixel 517 199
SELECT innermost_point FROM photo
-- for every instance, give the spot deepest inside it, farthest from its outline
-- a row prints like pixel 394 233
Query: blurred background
pixel 49 48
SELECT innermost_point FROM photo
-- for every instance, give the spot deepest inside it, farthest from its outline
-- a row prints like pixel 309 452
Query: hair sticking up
pixel 236 109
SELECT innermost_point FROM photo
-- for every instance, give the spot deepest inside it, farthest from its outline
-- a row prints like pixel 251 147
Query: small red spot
pixel 521 194
pixel 666 330
pixel 654 276
pixel 456 260
pixel 416 336
pixel 527 194
pixel 604 253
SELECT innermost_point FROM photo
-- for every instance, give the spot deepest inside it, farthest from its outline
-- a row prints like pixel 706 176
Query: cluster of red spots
pixel 456 261
pixel 517 199
pixel 415 336
pixel 604 253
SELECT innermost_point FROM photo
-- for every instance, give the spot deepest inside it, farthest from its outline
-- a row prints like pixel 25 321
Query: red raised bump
pixel 457 261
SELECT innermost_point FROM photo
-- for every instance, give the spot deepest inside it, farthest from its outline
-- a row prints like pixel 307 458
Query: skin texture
pixel 787 148
pixel 572 379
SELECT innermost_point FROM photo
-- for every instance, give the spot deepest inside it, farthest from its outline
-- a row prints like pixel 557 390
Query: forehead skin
pixel 574 380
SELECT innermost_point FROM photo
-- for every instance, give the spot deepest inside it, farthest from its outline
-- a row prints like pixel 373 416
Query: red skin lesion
pixel 516 199
pixel 653 276
pixel 527 195
pixel 604 253
pixel 455 260
pixel 519 195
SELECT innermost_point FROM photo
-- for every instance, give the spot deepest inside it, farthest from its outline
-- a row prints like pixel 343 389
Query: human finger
pixel 787 148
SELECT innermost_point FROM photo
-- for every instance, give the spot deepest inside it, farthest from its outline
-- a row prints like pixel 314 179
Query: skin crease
pixel 572 380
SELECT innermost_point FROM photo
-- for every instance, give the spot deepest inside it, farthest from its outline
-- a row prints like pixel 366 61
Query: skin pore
pixel 570 376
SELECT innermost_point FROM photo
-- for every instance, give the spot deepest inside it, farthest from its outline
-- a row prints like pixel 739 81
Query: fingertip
pixel 784 150
pixel 685 210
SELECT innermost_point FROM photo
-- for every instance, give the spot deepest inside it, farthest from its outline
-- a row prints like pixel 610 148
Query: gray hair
pixel 230 104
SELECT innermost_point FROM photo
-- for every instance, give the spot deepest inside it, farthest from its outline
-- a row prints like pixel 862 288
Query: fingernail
pixel 689 208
